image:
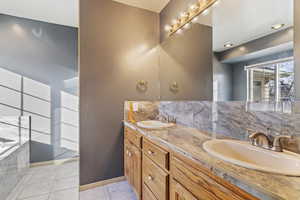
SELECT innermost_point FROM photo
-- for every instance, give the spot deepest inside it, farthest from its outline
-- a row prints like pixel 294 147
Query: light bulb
pixel 216 3
pixel 205 12
pixel 179 31
pixel 168 28
pixel 174 21
pixel 187 26
pixel 194 7
pixel 195 20
pixel 183 14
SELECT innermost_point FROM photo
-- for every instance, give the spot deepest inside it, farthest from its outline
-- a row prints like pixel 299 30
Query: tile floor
pixel 115 191
pixel 51 182
pixel 61 182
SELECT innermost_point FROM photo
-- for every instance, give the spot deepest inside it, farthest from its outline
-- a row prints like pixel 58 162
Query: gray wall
pixel 46 53
pixel 118 48
pixel 297 46
pixel 187 59
pixel 222 80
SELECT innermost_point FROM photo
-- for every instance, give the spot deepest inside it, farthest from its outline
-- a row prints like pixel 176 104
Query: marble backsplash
pixel 234 119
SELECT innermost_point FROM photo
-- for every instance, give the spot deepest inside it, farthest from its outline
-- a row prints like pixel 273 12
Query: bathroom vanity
pixel 156 172
pixel 171 164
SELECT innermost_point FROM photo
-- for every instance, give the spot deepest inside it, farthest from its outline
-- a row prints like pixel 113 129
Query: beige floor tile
pixel 99 193
pixel 44 197
pixel 69 194
pixel 35 189
pixel 66 183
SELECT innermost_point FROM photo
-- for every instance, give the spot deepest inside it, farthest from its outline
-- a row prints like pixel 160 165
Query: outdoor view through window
pixel 272 81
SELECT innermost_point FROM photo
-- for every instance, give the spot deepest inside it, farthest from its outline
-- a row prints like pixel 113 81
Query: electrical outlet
pixel 135 107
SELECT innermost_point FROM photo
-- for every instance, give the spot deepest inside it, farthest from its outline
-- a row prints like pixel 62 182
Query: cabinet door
pixel 178 192
pixel 155 178
pixel 136 170
pixel 147 194
pixel 127 161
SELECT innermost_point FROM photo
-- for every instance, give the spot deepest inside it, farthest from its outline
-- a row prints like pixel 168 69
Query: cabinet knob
pixel 150 178
pixel 129 154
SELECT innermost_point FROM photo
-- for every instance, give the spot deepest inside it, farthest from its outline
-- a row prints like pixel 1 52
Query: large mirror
pixel 248 46
pixel 253 49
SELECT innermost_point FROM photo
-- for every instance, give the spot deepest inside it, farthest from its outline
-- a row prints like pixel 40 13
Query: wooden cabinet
pixel 134 137
pixel 156 154
pixel 133 166
pixel 203 184
pixel 127 160
pixel 155 178
pixel 178 192
pixel 147 166
pixel 147 194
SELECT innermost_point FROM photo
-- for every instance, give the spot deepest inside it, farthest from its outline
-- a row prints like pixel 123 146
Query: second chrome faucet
pixel 265 141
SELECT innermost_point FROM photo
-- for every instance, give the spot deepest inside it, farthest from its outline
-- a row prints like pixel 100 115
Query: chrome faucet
pixel 277 143
pixel 167 118
pixel 260 139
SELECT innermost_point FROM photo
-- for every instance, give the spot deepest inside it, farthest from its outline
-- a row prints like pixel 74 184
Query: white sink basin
pixel 151 124
pixel 246 155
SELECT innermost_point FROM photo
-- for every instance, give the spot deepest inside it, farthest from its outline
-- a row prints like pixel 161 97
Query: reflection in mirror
pixel 253 50
pixel 271 81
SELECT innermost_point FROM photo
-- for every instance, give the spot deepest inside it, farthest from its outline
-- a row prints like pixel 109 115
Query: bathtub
pixel 6 145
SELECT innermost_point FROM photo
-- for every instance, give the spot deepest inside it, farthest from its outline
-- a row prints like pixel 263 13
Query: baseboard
pixel 54 162
pixel 102 183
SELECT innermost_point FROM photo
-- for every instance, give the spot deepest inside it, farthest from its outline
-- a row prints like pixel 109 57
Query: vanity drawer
pixel 157 154
pixel 147 194
pixel 155 178
pixel 134 137
pixel 204 185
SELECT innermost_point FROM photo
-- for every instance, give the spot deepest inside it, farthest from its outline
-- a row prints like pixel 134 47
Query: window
pixel 271 81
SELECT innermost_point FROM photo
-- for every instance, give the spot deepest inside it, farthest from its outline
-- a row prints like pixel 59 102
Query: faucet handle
pixel 277 145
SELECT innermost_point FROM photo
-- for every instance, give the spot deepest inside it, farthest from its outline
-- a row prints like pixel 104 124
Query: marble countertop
pixel 188 141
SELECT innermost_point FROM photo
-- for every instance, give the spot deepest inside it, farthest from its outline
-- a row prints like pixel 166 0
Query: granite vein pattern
pixel 231 119
pixel 188 142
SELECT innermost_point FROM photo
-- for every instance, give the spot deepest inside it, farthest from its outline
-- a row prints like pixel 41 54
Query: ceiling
pixel 63 12
pixel 234 21
pixel 241 21
pixel 152 5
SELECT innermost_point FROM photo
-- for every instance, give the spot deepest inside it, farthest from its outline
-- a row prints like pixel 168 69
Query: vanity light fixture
pixel 228 44
pixel 277 26
pixel 201 7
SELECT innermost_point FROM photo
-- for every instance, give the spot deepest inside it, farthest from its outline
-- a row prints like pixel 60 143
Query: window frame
pixel 249 71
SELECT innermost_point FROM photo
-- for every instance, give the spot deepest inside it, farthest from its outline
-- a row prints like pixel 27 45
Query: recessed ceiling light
pixel 277 26
pixel 228 45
